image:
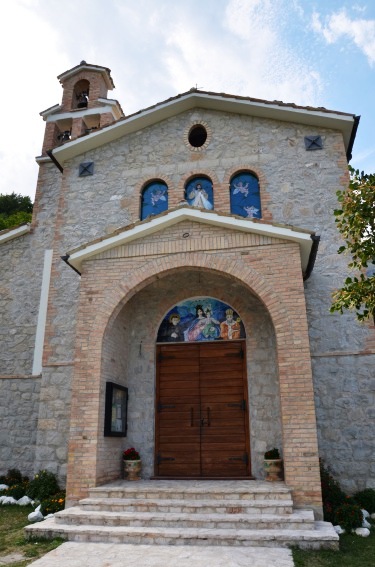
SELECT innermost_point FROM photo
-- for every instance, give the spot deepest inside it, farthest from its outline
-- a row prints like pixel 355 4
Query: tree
pixel 356 222
pixel 14 210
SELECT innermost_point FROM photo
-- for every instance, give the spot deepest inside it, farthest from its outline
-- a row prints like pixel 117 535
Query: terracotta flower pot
pixel 273 469
pixel 132 470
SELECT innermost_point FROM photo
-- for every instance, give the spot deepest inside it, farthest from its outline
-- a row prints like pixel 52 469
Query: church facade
pixel 172 293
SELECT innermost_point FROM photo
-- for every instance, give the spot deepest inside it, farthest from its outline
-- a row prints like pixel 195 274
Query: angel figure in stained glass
pixel 241 188
pixel 251 211
pixel 157 195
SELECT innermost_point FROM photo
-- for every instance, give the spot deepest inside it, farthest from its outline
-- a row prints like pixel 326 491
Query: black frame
pixel 115 393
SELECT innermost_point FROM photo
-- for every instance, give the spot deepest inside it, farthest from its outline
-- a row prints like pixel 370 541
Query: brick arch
pixel 229 173
pixel 146 180
pixel 119 294
pixel 99 308
pixel 189 175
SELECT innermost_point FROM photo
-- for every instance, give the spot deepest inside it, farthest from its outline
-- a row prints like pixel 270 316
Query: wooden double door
pixel 202 424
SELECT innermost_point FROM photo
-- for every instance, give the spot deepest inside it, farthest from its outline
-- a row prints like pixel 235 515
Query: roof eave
pixel 105 71
pixel 10 234
pixel 314 118
pixel 76 257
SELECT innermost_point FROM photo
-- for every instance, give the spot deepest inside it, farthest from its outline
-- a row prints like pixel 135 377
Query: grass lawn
pixel 12 540
pixel 355 551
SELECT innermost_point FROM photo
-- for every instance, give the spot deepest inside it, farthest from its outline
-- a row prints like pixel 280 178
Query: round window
pixel 197 136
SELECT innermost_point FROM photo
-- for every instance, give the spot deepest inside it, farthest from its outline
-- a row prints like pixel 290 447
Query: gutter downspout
pixel 312 256
pixel 352 138
pixel 66 260
pixel 52 158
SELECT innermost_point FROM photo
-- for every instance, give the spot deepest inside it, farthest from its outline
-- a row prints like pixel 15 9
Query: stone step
pixel 193 490
pixel 322 536
pixel 185 506
pixel 300 519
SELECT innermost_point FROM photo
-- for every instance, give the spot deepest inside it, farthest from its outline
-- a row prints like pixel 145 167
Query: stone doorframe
pixel 107 285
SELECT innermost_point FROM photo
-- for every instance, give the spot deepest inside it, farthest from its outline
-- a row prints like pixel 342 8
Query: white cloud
pixel 339 25
pixel 248 55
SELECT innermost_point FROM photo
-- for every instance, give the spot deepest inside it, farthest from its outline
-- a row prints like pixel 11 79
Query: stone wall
pixel 19 305
pixel 19 405
pixel 21 269
pixel 345 402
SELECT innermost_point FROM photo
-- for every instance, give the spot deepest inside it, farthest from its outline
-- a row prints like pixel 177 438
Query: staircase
pixel 173 512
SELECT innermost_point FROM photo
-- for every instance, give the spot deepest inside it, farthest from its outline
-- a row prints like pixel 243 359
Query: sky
pixel 312 53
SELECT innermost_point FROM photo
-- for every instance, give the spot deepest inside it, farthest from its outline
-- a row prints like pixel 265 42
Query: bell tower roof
pixel 83 66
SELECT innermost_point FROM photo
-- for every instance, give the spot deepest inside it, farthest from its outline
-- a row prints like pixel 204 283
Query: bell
pixel 82 100
pixel 64 136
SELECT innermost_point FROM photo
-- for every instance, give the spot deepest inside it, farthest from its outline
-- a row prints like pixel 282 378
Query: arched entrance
pixel 201 414
pixel 117 326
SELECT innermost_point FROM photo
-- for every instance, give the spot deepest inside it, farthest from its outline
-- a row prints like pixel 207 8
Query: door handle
pixel 207 420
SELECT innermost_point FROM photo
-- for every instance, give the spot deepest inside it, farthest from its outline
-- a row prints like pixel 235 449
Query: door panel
pixel 201 411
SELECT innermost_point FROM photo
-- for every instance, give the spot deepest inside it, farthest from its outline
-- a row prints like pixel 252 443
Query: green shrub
pixel 53 504
pixel 332 495
pixel 348 516
pixel 272 454
pixel 12 477
pixel 43 485
pixel 366 499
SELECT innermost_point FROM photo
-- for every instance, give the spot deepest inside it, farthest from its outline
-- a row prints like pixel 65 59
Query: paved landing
pixel 73 554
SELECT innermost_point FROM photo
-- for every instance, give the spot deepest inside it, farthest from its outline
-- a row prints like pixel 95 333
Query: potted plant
pixel 132 464
pixel 273 465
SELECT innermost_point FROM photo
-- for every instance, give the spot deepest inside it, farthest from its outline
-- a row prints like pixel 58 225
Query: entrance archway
pixel 130 358
pixel 117 328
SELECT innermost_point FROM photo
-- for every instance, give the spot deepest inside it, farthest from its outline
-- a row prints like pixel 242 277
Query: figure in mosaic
pixel 199 198
pixel 195 330
pixel 230 329
pixel 211 330
pixel 174 332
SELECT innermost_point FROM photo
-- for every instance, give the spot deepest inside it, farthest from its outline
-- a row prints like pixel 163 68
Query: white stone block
pixel 338 530
pixel 25 501
pixel 363 532
pixel 36 516
pixel 8 500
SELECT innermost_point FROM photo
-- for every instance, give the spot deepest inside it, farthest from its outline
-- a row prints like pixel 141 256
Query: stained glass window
pixel 244 196
pixel 154 199
pixel 199 193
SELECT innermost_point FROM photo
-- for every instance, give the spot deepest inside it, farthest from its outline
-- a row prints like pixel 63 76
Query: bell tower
pixel 84 107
